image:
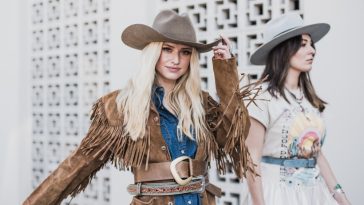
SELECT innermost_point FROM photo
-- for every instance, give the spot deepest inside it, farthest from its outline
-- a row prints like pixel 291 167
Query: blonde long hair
pixel 186 98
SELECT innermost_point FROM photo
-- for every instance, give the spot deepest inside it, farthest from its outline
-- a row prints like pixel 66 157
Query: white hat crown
pixel 282 28
pixel 282 24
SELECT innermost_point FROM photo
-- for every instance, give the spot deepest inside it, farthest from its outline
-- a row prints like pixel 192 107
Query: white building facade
pixel 59 56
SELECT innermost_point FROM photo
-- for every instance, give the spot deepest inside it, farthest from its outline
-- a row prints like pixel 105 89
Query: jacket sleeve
pixel 229 118
pixel 76 171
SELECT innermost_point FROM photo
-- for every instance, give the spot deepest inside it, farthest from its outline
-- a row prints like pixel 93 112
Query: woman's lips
pixel 173 69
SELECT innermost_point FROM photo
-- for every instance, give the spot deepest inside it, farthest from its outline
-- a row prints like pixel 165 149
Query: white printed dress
pixel 292 130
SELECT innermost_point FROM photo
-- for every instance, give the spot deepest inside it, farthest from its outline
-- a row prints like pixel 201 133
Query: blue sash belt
pixel 306 163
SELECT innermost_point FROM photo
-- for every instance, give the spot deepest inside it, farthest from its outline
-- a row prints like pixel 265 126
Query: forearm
pixel 326 172
pixel 226 80
pixel 255 181
pixel 330 179
pixel 65 180
pixel 255 187
pixel 255 143
pixel 231 125
pixel 232 111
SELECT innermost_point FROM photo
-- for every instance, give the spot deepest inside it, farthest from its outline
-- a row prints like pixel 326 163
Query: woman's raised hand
pixel 222 50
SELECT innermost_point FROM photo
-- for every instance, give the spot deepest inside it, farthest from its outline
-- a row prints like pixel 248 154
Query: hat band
pixel 285 31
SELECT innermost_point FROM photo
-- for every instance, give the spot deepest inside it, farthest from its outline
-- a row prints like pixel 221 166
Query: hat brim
pixel 316 31
pixel 139 35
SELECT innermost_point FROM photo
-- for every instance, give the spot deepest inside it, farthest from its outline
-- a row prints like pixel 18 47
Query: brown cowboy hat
pixel 168 26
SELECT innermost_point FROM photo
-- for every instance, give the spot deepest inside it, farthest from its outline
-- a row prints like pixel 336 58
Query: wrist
pixel 337 190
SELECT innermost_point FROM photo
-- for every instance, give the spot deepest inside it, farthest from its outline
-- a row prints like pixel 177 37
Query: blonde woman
pixel 161 126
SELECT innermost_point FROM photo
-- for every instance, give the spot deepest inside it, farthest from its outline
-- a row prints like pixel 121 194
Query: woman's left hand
pixel 222 50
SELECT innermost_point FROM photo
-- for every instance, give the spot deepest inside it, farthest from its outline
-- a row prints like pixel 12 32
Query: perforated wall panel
pixel 70 69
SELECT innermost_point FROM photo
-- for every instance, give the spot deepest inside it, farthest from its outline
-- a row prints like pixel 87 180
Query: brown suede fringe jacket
pixel 228 122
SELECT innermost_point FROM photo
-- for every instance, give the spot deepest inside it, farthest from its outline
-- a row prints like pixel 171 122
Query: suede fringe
pixel 235 153
pixel 109 143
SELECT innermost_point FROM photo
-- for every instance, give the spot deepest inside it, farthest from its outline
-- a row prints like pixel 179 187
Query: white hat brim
pixel 316 31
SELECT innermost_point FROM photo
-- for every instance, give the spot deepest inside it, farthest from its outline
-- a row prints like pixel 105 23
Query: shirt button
pixel 189 202
pixel 156 119
pixel 183 151
pixel 163 148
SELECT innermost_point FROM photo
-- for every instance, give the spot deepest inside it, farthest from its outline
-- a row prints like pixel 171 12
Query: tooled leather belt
pixel 170 178
pixel 196 185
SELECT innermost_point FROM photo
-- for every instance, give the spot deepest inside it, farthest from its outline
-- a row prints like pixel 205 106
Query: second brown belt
pixel 161 171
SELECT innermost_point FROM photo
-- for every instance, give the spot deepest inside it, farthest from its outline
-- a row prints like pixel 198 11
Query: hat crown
pixel 283 28
pixel 281 25
pixel 175 26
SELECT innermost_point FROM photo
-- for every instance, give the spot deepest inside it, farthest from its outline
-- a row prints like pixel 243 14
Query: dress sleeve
pixel 259 109
pixel 231 122
pixel 76 171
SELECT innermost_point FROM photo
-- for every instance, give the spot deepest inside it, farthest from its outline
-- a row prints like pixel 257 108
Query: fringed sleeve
pixel 74 173
pixel 229 119
pixel 107 140
pixel 104 142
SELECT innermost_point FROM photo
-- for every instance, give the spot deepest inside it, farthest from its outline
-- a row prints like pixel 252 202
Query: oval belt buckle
pixel 175 174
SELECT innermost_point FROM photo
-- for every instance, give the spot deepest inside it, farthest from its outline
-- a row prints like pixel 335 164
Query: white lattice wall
pixel 70 70
pixel 241 21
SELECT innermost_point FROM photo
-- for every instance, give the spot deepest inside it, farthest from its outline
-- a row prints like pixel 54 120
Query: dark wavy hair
pixel 276 70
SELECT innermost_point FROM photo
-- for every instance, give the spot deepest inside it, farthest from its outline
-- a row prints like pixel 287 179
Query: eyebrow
pixel 306 40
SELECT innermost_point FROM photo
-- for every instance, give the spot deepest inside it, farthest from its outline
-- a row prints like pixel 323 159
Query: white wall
pixel 338 76
pixel 15 118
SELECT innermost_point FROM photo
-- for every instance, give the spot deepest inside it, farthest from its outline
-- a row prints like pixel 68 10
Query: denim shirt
pixel 177 148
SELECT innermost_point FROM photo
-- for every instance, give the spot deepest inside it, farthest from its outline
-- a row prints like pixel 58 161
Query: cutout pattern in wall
pixel 70 69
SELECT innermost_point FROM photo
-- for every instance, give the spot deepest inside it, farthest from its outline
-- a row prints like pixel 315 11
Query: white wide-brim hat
pixel 283 28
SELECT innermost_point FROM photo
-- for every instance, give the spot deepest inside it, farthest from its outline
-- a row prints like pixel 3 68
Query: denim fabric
pixel 176 148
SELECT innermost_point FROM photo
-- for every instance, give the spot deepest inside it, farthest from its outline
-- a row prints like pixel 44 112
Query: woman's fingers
pixel 222 50
pixel 225 41
pixel 221 53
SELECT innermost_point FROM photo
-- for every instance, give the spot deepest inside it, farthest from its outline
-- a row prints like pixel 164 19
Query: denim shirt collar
pixel 157 95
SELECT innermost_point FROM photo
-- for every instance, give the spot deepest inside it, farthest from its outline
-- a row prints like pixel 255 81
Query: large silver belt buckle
pixel 175 174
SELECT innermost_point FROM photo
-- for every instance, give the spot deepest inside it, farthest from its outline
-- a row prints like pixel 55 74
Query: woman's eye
pixel 167 49
pixel 186 53
pixel 303 45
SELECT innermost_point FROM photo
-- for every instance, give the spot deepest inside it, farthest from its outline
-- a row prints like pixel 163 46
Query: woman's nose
pixel 312 50
pixel 175 58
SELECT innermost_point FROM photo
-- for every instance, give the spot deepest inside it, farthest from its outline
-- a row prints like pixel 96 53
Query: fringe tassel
pixel 108 142
pixel 82 186
pixel 235 152
pixel 213 148
pixel 235 144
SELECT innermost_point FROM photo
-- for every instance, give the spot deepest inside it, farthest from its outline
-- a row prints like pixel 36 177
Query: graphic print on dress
pixel 305 137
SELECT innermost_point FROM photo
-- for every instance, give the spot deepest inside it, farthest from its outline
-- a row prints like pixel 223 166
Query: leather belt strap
pixel 196 185
pixel 161 171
